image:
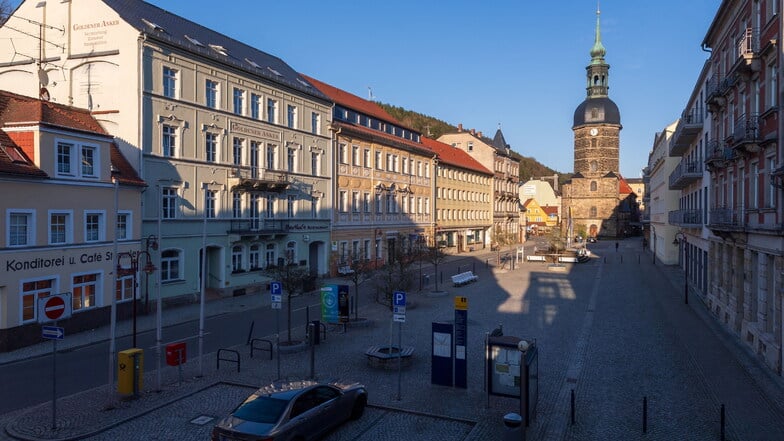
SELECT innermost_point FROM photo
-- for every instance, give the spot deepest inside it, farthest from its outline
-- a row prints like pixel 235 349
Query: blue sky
pixel 481 63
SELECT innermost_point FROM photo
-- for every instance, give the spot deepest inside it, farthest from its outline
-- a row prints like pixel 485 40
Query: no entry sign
pixel 54 308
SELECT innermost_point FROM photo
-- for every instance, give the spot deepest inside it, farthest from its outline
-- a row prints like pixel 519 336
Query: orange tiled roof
pixel 549 209
pixel 122 169
pixel 623 187
pixel 454 156
pixel 351 101
pixel 22 110
pixel 13 160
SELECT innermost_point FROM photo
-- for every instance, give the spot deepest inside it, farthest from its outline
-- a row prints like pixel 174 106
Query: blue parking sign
pixel 276 288
pixel 399 298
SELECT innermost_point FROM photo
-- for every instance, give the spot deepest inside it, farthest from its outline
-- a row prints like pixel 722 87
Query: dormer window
pixel 252 63
pixel 219 49
pixel 194 41
pixel 154 26
pixel 274 71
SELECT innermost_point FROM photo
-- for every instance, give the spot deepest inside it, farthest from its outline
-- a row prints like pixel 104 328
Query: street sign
pixel 55 307
pixel 277 298
pixel 276 305
pixel 276 288
pixel 399 306
pixel 52 332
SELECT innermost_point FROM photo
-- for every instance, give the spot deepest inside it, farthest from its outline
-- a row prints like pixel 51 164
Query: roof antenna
pixel 371 97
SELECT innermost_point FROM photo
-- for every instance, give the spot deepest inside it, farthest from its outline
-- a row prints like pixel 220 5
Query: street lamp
pixel 150 243
pixel 128 265
pixel 681 238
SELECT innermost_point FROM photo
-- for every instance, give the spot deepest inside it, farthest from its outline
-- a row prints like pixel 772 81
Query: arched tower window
pixel 594 113
pixel 593 186
pixel 594 166
pixel 593 211
pixel 595 80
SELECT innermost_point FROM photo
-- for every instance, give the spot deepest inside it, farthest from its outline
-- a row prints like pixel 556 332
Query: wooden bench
pixel 567 259
pixel 535 258
pixel 464 278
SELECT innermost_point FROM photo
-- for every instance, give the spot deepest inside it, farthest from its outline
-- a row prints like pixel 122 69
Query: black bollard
pixel 722 422
pixel 458 270
pixel 621 258
pixel 572 410
pixel 644 414
pixel 442 277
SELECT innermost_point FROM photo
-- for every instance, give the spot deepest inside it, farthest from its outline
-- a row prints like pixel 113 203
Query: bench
pixel 386 357
pixel 464 278
pixel 567 259
pixel 535 258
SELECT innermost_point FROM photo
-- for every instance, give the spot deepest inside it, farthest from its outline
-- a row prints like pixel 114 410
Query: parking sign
pixel 399 306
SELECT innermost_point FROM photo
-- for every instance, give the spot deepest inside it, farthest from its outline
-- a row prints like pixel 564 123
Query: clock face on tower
pixel 594 132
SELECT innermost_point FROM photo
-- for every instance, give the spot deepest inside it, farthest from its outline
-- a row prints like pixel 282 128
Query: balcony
pixel 687 172
pixel 748 53
pixel 725 220
pixel 688 131
pixel 715 89
pixel 686 218
pixel 258 227
pixel 257 180
pixel 718 156
pixel 746 136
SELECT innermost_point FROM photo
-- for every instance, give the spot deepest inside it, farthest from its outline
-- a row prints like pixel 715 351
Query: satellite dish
pixel 43 77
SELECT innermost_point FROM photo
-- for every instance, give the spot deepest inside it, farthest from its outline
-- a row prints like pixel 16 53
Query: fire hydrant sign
pixel 55 307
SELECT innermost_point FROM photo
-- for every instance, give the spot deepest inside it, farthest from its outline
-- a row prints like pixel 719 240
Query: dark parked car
pixel 292 411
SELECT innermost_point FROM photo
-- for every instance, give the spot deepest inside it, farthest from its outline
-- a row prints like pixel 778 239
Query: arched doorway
pixel 317 259
pixel 593 230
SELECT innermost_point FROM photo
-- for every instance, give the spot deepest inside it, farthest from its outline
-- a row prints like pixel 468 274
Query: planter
pixel 389 357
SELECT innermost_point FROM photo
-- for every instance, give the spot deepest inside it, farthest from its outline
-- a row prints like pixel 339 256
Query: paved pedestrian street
pixel 613 334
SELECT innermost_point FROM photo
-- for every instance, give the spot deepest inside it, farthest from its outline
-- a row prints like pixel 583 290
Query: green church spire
pixel 597 51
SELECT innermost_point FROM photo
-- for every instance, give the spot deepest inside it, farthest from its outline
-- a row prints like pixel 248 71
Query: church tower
pixel 597 121
pixel 595 202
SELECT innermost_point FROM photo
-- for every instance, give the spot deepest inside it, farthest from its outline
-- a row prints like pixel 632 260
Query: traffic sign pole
pixel 54 383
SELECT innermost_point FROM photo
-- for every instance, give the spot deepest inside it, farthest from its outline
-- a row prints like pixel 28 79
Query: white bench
pixel 567 259
pixel 464 278
pixel 535 258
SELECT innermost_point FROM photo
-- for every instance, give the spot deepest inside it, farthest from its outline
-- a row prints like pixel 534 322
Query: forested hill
pixel 434 128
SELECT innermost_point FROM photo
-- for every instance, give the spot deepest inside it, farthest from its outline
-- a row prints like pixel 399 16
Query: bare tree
pixel 293 279
pixel 434 255
pixel 396 275
pixel 360 270
pixel 502 239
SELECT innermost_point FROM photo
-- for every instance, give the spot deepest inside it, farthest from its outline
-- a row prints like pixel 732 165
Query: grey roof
pixel 607 112
pixel 499 142
pixel 175 30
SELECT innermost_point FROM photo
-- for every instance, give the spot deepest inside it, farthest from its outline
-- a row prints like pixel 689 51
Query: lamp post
pixel 150 243
pixel 128 265
pixel 681 238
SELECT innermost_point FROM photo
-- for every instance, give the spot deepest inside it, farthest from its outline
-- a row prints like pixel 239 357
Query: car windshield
pixel 261 410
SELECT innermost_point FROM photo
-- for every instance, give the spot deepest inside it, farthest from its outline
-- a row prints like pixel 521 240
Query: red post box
pixel 175 353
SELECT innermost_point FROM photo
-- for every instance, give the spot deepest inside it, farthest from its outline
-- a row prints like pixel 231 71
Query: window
pixel 254 159
pixel 124 288
pixel 315 123
pixel 83 291
pixel 255 211
pixel 236 258
pixel 236 205
pixel 269 255
pixel 355 202
pixel 291 252
pixel 593 211
pixel 291 116
pixel 239 101
pixel 210 200
pixel 88 161
pixel 59 228
pixel 93 227
pixel 21 228
pixel 255 106
pixel 343 201
pixel 314 163
pixel 314 206
pixel 379 165
pixel 354 155
pixel 123 230
pixel 169 82
pixel 470 146
pixel 64 154
pixel 772 78
pixel 272 111
pixel 379 205
pixel 389 162
pixel 290 204
pixel 210 147
pixel 271 156
pixel 168 202
pixel 270 213
pixel 366 202
pixel 170 265
pixel 753 185
pixel 343 153
pixel 291 159
pixel 211 94
pixel 366 158
pixel 770 199
pixel 169 140
pixel 391 208
pixel 32 291
pixel 593 185
pixel 237 151
pixel 254 257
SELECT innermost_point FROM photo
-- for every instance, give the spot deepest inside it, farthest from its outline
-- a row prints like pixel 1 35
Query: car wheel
pixel 359 407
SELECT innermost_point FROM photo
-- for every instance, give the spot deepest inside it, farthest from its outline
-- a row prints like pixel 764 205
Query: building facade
pixel 662 199
pixel 596 198
pixel 744 161
pixel 383 184
pixel 70 205
pixel 496 155
pixel 232 141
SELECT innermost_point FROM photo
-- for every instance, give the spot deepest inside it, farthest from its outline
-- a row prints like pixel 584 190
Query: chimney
pixel 459 127
pixel 473 132
pixel 480 134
